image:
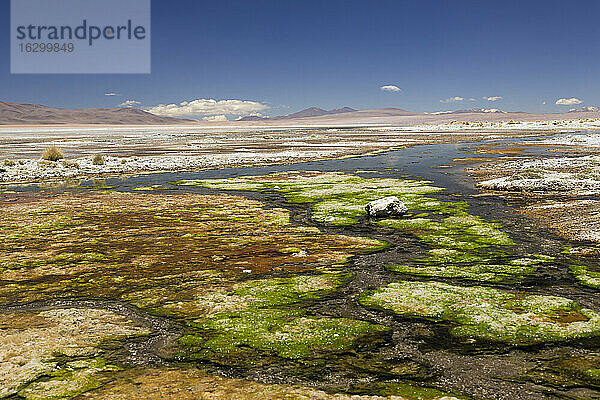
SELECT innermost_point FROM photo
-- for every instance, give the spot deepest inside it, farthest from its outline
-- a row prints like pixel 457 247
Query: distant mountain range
pixel 306 113
pixel 400 117
pixel 35 114
pixel 471 111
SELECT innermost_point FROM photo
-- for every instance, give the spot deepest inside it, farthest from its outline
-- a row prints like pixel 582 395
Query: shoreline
pixel 143 151
pixel 233 164
pixel 558 190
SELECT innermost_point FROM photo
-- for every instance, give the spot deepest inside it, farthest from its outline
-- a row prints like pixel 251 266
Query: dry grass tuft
pixel 52 154
pixel 98 159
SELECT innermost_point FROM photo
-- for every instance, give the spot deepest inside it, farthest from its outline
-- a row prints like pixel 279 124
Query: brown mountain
pixel 315 112
pixel 306 113
pixel 35 114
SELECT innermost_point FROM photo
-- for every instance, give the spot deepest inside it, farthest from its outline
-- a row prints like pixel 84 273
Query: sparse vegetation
pixel 9 163
pixel 52 153
pixel 98 159
pixel 70 164
pixel 529 173
pixel 47 164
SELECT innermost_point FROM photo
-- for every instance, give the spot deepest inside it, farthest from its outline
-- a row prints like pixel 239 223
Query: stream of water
pixel 482 370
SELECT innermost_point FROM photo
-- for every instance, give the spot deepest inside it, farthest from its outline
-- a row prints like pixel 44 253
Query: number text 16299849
pixel 47 47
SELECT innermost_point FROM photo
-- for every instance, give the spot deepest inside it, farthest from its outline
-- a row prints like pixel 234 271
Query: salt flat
pixel 161 148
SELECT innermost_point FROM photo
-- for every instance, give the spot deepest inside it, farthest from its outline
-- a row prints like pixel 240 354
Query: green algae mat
pixel 162 295
pixel 487 313
pixel 460 245
pixel 191 258
pixel 134 246
pixel 586 275
pixel 252 317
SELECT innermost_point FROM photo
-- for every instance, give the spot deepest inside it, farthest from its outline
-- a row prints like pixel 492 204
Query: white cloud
pixel 568 102
pixel 493 98
pixel 251 115
pixel 208 107
pixel 543 102
pixel 130 103
pixel 492 110
pixel 390 88
pixel 215 118
pixel 472 99
pixel 441 112
pixel 452 99
pixel 110 94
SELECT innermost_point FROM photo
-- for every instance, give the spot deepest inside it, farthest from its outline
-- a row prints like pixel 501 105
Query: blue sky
pixel 288 55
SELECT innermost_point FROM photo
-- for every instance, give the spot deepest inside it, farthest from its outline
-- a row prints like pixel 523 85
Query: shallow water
pixel 424 349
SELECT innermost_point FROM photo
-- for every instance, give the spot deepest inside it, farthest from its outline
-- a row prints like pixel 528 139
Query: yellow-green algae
pixel 35 344
pixel 464 246
pixel 510 270
pixel 75 378
pixel 567 371
pixel 252 316
pixel 487 313
pixel 460 245
pixel 592 373
pixel 132 246
pixel 586 276
pixel 258 293
pixel 194 384
pixel 413 392
pixel 341 197
pixel 188 256
pixel 287 333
